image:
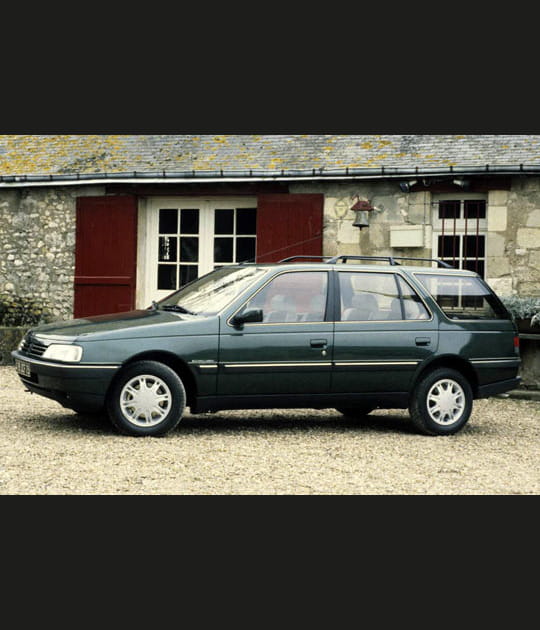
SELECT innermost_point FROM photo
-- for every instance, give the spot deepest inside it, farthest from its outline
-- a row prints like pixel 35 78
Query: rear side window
pixel 463 297
pixel 413 308
pixel 378 297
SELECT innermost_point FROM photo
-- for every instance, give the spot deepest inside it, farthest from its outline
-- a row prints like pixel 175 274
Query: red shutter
pixel 289 225
pixel 105 255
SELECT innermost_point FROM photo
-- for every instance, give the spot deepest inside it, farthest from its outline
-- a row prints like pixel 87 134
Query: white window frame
pixel 148 237
pixel 460 224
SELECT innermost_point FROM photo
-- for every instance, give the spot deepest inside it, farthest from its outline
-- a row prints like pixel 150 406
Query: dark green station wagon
pixel 353 333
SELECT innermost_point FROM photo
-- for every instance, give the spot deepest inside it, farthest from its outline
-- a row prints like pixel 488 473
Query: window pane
pixel 189 222
pixel 293 297
pixel 475 209
pixel 463 297
pixel 189 249
pixel 168 249
pixel 449 209
pixel 245 250
pixel 246 221
pixel 168 221
pixel 449 247
pixel 413 305
pixel 478 266
pixel 474 246
pixel 188 273
pixel 369 297
pixel 166 277
pixel 223 250
pixel 224 222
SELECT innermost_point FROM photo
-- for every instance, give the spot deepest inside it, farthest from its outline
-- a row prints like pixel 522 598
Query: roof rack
pixel 285 260
pixel 389 259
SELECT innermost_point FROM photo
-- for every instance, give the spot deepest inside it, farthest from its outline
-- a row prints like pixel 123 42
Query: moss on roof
pixel 86 154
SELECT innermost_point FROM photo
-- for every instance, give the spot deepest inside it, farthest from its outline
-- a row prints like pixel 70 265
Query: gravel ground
pixel 45 449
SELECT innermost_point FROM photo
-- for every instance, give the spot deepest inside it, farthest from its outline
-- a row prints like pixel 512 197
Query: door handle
pixel 423 341
pixel 319 343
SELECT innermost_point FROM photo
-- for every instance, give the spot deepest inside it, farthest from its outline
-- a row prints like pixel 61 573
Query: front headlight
pixel 60 352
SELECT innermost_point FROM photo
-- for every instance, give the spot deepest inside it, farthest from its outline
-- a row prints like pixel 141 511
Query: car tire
pixel 148 399
pixel 441 403
pixel 358 411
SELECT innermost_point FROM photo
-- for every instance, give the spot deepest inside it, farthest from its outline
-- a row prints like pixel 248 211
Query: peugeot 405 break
pixel 352 333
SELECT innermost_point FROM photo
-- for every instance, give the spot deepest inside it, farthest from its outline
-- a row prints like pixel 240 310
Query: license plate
pixel 22 368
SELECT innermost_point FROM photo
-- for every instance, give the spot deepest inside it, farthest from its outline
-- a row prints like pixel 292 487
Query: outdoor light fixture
pixel 406 186
pixel 362 208
pixel 462 183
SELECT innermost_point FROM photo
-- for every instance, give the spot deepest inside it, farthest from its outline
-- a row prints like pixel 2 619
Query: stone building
pixel 94 224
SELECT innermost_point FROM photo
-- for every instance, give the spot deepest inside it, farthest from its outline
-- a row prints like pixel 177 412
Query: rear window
pixel 463 297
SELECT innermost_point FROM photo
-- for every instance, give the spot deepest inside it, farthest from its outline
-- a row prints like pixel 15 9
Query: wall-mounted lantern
pixel 362 209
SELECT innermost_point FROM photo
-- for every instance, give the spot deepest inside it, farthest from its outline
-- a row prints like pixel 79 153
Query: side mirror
pixel 253 316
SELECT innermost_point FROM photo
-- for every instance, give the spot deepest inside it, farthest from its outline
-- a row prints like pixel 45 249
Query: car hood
pixel 123 326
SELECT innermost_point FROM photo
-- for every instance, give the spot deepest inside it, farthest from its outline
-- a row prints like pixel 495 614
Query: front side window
pixel 463 297
pixel 293 297
pixel 378 297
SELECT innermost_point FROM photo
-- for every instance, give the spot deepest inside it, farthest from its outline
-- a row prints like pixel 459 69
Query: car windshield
pixel 211 293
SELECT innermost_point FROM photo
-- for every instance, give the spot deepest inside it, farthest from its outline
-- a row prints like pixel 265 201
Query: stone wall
pixel 37 244
pixel 513 227
pixel 521 239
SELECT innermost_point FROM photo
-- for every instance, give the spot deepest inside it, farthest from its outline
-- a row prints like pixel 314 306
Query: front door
pixel 290 351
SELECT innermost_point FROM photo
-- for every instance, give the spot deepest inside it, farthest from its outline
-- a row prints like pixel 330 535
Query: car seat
pixel 317 308
pixel 282 309
pixel 364 307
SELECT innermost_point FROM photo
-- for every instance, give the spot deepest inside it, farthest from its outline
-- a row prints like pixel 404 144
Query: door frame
pixel 147 250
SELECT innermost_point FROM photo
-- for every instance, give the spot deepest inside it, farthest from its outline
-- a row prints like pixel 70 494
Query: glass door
pixel 182 239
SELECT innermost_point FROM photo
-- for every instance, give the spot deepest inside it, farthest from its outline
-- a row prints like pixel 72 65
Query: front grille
pixel 32 347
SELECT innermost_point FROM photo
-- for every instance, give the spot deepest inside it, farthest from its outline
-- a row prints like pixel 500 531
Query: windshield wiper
pixel 174 308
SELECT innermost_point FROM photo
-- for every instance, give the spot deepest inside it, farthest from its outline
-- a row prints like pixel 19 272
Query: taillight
pixel 516 342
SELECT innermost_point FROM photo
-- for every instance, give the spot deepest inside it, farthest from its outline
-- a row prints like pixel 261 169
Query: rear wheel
pixel 148 399
pixel 441 403
pixel 358 411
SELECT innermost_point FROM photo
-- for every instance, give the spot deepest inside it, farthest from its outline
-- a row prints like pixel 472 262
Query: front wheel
pixel 441 403
pixel 147 400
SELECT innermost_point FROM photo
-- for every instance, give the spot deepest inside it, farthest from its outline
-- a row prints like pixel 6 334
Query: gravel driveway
pixel 45 449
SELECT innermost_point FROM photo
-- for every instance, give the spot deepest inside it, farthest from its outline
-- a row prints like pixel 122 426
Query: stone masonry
pixel 513 227
pixel 37 245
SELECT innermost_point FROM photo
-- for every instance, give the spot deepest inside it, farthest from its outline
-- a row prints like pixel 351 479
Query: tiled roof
pixel 87 154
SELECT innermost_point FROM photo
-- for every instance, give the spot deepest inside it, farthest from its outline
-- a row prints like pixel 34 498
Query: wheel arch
pixel 453 362
pixel 171 360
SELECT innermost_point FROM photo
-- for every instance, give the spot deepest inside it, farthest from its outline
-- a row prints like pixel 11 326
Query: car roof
pixel 318 266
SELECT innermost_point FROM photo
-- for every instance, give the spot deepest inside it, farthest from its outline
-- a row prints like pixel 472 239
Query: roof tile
pixel 87 154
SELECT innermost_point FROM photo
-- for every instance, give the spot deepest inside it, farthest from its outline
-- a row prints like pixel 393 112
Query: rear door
pixel 384 330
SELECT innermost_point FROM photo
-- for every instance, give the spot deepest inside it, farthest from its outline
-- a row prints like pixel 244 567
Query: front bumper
pixel 73 386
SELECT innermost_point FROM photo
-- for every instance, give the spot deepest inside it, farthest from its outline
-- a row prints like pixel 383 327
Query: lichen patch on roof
pixel 87 154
